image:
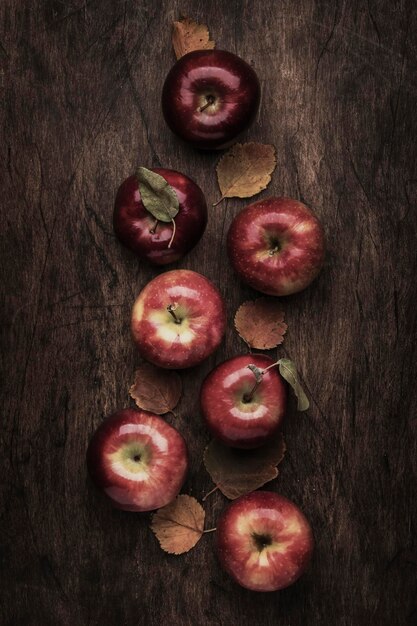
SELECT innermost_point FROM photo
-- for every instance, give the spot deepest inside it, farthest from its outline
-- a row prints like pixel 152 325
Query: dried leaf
pixel 245 169
pixel 156 389
pixel 260 323
pixel 158 197
pixel 179 525
pixel 237 472
pixel 189 35
pixel 288 371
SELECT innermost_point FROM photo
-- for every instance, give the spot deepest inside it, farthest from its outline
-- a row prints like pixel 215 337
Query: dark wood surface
pixel 80 86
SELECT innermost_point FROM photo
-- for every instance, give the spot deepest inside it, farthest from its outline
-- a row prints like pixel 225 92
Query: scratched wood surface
pixel 80 88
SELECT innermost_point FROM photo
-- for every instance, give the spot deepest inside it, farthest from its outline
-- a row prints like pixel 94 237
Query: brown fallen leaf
pixel 189 35
pixel 245 170
pixel 260 323
pixel 179 525
pixel 156 389
pixel 237 472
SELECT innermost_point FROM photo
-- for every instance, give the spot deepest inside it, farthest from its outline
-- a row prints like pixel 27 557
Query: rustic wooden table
pixel 80 110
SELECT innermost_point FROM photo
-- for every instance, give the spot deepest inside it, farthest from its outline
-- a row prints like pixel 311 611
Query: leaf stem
pixel 271 366
pixel 174 230
pixel 209 493
pixel 218 201
pixel 209 530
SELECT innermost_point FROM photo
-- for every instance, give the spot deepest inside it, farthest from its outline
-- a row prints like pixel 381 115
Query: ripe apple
pixel 178 319
pixel 239 411
pixel 276 246
pixel 264 541
pixel 138 460
pixel 209 97
pixel 138 230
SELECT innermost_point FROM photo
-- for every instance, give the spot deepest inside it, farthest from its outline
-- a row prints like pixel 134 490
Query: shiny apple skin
pixel 201 309
pixel 134 225
pixel 217 73
pixel 137 485
pixel 270 568
pixel 230 419
pixel 259 228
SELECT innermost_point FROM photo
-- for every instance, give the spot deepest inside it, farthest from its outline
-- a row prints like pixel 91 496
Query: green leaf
pixel 288 371
pixel 158 197
pixel 258 372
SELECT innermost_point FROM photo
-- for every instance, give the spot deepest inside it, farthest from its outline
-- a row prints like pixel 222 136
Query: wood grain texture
pixel 80 84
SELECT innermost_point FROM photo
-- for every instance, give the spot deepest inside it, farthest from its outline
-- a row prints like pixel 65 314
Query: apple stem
pixel 274 250
pixel 210 100
pixel 209 493
pixel 174 230
pixel 218 201
pixel 171 309
pixel 248 397
pixel 153 229
pixel 209 530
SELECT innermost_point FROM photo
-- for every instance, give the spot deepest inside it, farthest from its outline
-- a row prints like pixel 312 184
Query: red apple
pixel 178 319
pixel 209 97
pixel 138 460
pixel 264 541
pixel 276 246
pixel 138 230
pixel 239 411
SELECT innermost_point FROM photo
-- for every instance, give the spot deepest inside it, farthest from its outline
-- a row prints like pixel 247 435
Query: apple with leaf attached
pixel 243 400
pixel 159 214
pixel 239 410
